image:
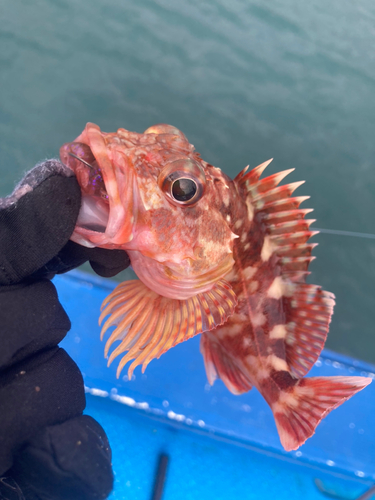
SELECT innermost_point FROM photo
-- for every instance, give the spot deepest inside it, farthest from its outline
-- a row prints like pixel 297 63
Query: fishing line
pixel 346 233
pixel 81 159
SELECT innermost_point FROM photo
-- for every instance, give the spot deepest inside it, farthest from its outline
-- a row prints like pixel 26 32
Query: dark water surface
pixel 245 80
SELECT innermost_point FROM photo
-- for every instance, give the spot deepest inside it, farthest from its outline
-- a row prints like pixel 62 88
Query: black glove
pixel 48 449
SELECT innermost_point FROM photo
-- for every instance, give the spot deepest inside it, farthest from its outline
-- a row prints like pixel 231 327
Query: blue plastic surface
pixel 174 390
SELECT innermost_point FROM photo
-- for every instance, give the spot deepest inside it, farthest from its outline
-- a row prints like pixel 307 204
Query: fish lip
pixel 79 157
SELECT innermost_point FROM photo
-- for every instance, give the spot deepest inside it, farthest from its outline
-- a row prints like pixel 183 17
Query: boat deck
pixel 216 444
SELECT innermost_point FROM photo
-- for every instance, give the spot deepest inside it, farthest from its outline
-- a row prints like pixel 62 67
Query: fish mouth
pixel 108 184
pixel 94 213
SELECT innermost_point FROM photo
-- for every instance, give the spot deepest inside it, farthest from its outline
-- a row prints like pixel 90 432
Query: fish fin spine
pixel 148 324
pixel 299 410
pixel 219 364
pixel 308 317
pixel 308 309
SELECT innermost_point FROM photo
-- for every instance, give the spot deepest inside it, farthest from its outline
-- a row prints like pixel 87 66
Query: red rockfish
pixel 224 258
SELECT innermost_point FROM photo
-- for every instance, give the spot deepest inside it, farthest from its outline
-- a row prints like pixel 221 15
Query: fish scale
pixel 228 260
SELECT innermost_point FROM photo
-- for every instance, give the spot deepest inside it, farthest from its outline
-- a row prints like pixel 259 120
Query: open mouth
pixel 94 211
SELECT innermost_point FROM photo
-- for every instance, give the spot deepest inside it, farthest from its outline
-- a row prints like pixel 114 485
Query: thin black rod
pixel 367 494
pixel 161 472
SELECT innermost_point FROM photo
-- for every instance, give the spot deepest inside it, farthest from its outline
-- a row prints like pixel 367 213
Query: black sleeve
pixel 41 388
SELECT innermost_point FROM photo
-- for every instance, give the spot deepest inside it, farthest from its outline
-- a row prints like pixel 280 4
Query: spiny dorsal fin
pixel 308 309
pixel 287 230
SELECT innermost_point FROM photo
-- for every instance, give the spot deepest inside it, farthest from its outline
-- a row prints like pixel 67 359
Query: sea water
pixel 245 80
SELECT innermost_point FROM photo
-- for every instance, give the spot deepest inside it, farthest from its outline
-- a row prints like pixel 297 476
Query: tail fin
pixel 297 413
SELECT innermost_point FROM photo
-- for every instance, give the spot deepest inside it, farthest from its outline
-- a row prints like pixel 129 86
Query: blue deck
pixel 220 445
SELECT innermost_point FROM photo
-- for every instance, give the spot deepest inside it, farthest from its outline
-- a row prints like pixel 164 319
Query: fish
pixel 227 259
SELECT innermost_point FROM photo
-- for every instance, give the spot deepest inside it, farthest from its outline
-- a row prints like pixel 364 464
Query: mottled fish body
pixel 225 258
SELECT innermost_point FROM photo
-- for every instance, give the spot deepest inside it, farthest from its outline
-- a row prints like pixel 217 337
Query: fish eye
pixel 183 182
pixel 183 189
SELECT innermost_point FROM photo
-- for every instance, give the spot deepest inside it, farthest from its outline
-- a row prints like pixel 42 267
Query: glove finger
pixel 71 461
pixel 37 226
pixel 31 318
pixel 42 390
pixel 106 263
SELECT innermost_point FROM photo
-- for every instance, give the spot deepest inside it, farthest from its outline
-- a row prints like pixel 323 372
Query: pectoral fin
pixel 148 324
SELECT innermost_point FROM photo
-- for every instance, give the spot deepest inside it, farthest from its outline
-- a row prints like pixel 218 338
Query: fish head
pixel 153 196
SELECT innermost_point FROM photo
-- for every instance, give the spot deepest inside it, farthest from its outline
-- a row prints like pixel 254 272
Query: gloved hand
pixel 48 449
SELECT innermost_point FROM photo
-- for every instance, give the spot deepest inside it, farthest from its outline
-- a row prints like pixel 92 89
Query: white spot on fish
pixel 249 272
pixel 286 399
pixel 276 290
pixel 228 218
pixel 238 223
pixel 210 371
pixel 243 237
pixel 231 276
pixel 267 249
pixel 278 332
pixel 246 342
pixel 256 366
pixel 232 330
pixel 250 209
pixel 253 286
pixel 247 246
pixel 258 319
pixel 239 318
pixel 277 363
